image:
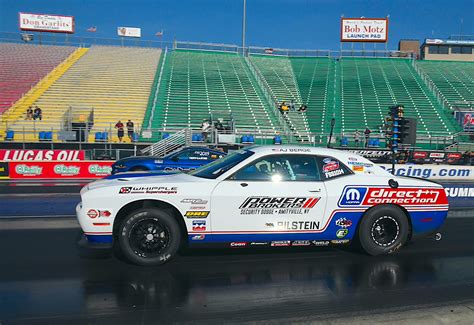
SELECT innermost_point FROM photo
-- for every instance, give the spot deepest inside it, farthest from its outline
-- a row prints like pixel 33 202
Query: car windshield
pixel 220 166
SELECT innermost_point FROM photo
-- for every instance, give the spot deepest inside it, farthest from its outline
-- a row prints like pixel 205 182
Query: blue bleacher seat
pixel 10 135
pixel 165 135
pixel 277 140
pixel 41 135
pixel 98 137
pixel 344 142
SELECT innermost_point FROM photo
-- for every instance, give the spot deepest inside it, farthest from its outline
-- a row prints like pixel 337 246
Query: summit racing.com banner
pixel 434 172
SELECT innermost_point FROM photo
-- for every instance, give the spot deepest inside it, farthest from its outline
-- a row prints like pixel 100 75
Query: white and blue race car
pixel 261 196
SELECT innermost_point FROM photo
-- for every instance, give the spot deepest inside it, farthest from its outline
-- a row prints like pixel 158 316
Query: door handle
pixel 244 184
pixel 315 191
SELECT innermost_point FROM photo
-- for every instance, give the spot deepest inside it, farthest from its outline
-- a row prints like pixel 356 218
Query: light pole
pixel 243 27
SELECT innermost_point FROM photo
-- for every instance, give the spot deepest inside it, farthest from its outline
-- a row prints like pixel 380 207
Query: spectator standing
pixel 29 113
pixel 367 136
pixel 37 113
pixel 302 108
pixel 205 127
pixel 356 137
pixel 119 127
pixel 130 130
pixel 284 108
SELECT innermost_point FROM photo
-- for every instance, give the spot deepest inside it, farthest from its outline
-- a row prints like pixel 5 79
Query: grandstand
pixel 453 80
pixel 200 85
pixel 113 81
pixel 182 87
pixel 22 66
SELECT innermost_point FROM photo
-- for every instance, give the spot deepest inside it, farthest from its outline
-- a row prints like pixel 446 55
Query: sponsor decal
pixel 360 164
pixel 64 170
pixel 330 165
pixel 100 170
pixel 199 225
pixel 454 155
pixel 352 159
pixel 333 173
pixel 92 213
pixel 194 201
pixel 301 243
pixel 343 222
pixel 277 205
pixel 358 168
pixel 341 233
pixel 420 155
pixel 269 224
pixel 104 213
pixel 28 170
pixel 148 190
pixel 353 196
pixel 264 243
pixel 320 242
pixel 158 161
pixel 196 214
pixel 340 241
pixel 238 244
pixel 198 237
pixel 436 155
pixel 298 225
pixel 280 243
pixel 178 169
pixel 198 208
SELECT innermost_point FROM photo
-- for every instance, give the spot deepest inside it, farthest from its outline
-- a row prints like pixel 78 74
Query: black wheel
pixel 383 230
pixel 138 169
pixel 149 237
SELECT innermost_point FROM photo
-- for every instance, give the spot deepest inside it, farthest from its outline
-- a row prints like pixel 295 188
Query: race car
pixel 269 196
pixel 184 160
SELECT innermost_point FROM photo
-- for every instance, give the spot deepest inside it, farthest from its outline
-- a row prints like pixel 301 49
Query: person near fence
pixel 356 137
pixel 367 136
pixel 205 128
pixel 120 131
pixel 130 130
pixel 29 113
pixel 284 108
pixel 37 113
pixel 292 106
pixel 302 108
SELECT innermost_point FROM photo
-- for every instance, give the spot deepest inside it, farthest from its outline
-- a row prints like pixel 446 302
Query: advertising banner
pixel 40 155
pixel 129 32
pixel 364 30
pixel 59 169
pixel 435 172
pixel 460 195
pixel 46 23
pixel 465 119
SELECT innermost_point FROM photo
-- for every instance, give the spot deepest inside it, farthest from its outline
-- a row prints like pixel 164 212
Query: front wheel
pixel 383 230
pixel 149 237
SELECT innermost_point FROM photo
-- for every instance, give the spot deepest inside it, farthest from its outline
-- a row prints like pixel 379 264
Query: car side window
pixel 331 168
pixel 280 168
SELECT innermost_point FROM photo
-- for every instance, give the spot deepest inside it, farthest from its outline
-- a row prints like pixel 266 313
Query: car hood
pixel 125 179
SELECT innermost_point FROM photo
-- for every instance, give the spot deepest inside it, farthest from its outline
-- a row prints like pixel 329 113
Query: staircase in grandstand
pixel 170 144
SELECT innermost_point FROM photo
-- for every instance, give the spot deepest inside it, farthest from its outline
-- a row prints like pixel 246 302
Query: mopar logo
pixel 352 196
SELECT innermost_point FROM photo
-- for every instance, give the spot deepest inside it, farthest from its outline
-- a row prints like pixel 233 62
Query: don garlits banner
pixel 59 169
pixel 46 23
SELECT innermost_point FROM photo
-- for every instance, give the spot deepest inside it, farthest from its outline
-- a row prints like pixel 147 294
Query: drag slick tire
pixel 383 230
pixel 149 237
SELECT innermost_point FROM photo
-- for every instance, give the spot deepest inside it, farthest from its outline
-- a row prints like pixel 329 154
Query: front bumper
pixel 87 243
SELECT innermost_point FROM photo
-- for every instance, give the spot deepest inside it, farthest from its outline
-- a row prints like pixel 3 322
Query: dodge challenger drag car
pixel 261 196
pixel 184 160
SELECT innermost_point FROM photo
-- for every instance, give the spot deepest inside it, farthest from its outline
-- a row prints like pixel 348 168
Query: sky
pixel 296 24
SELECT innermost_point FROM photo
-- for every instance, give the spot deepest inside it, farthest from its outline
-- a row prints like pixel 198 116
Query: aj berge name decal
pixel 277 205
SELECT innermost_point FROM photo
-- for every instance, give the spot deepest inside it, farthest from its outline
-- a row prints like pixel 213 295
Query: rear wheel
pixel 149 237
pixel 383 230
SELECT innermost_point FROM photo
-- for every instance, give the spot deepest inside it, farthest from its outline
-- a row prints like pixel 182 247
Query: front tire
pixel 149 237
pixel 383 230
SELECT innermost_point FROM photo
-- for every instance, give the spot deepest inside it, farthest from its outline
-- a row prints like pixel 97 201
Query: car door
pixel 273 200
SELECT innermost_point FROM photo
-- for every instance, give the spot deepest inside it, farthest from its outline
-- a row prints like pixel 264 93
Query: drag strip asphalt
pixel 43 280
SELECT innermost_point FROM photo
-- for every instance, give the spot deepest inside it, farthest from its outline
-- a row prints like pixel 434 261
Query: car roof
pixel 292 149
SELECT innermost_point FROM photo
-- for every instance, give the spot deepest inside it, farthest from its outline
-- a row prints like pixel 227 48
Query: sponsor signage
pixel 24 154
pixel 465 119
pixel 364 30
pixel 129 32
pixel 436 172
pixel 46 23
pixel 148 190
pixel 277 205
pixel 59 169
pixel 460 195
